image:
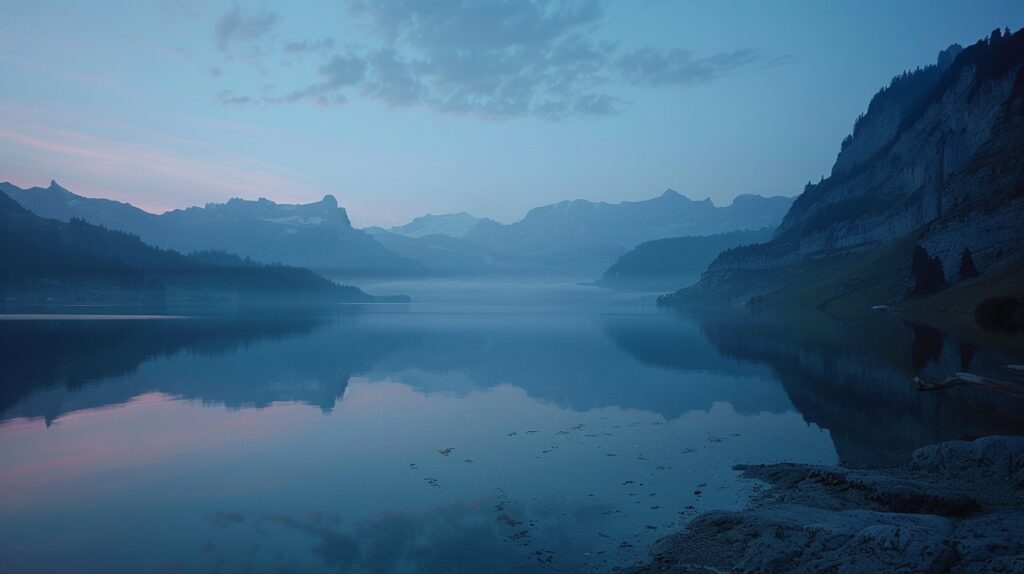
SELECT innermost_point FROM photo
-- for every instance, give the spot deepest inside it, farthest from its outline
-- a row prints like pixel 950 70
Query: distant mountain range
pixel 578 238
pixel 446 255
pixel 587 237
pixel 46 260
pixel 451 224
pixel 317 236
pixel 926 193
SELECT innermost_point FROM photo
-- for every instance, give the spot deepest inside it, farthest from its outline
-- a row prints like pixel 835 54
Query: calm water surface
pixel 560 429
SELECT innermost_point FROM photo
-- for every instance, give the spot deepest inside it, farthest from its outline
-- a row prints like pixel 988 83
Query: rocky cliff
pixel 939 153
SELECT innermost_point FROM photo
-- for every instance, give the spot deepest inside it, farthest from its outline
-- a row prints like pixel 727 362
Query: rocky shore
pixel 957 507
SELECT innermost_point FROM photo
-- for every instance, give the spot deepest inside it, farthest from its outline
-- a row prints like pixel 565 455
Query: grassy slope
pixel 852 284
pixel 855 282
pixel 953 308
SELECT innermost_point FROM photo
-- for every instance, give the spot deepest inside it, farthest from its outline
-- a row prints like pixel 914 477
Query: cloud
pixel 495 59
pixel 241 26
pixel 679 67
pixel 394 79
pixel 229 98
pixel 70 73
pixel 598 105
pixel 338 72
pixel 308 46
pixel 341 71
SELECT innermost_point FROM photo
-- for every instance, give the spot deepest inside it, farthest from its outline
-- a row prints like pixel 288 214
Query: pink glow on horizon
pixel 62 73
pixel 170 171
pixel 109 160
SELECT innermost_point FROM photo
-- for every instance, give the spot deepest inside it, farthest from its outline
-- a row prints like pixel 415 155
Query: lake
pixel 481 428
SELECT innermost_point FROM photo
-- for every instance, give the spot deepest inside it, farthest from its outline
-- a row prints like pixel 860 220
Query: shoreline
pixel 957 507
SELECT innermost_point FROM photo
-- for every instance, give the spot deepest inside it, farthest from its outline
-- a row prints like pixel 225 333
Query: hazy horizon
pixel 171 104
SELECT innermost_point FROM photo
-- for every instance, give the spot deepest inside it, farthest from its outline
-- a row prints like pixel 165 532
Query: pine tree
pixel 967 267
pixel 928 274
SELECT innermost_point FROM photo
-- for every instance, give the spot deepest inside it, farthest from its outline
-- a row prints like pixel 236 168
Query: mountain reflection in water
pixel 577 437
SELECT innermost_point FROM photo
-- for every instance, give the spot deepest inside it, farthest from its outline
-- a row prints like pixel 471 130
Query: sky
pixel 407 107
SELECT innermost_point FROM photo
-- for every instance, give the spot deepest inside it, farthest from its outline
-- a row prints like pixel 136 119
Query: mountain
pixel 54 261
pixel 571 238
pixel 450 224
pixel 664 263
pixel 55 202
pixel 933 172
pixel 445 254
pixel 581 236
pixel 317 235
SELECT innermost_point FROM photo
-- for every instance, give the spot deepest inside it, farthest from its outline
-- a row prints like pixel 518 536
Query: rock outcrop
pixel 957 507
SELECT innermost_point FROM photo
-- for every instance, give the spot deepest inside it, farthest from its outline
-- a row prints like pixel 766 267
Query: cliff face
pixel 880 124
pixel 939 152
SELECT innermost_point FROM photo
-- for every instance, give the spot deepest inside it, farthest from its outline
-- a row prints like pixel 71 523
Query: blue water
pixel 560 429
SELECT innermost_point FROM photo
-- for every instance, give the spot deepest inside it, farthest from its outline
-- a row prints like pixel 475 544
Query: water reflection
pixel 439 441
pixel 574 361
pixel 51 367
pixel 852 377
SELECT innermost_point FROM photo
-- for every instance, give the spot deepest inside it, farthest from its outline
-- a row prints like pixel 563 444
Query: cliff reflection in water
pixel 852 377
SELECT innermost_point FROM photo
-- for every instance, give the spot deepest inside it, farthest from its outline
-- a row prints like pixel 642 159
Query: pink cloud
pixel 62 73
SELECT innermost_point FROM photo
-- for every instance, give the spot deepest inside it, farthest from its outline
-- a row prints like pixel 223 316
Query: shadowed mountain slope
pixel 937 161
pixel 317 235
pixel 50 260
